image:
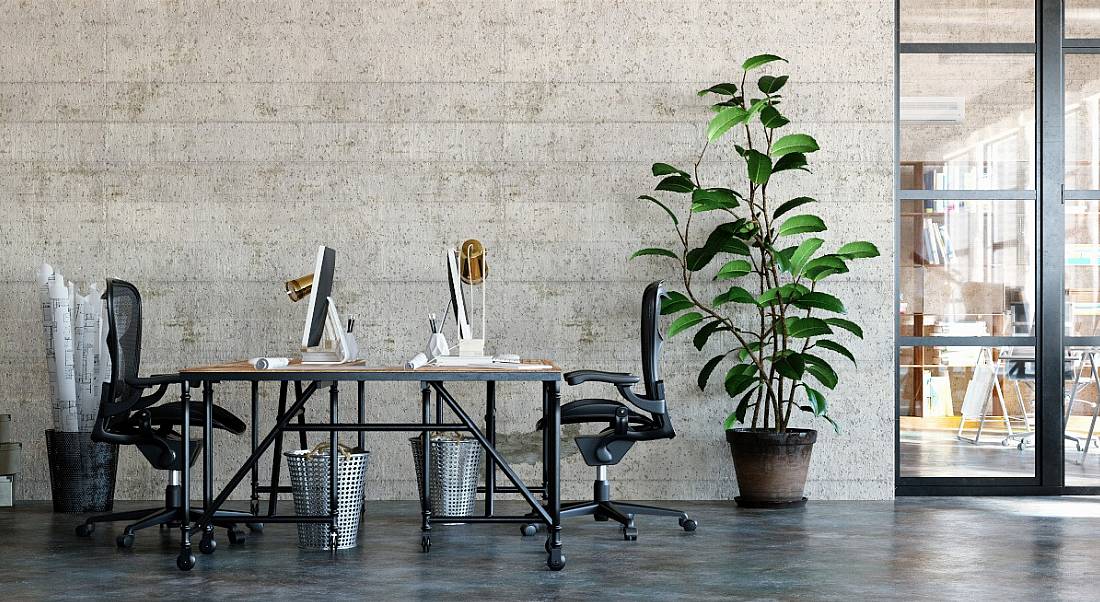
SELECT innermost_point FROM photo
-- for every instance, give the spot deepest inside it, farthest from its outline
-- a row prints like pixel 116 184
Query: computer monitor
pixel 458 302
pixel 323 270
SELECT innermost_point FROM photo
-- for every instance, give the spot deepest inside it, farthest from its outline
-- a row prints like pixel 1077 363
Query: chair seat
pixel 597 410
pixel 171 414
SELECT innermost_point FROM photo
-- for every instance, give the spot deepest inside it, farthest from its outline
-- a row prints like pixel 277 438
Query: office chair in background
pixel 128 416
pixel 625 426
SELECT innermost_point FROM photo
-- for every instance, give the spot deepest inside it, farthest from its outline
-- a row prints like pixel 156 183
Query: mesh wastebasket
pixel 82 472
pixel 309 479
pixel 455 467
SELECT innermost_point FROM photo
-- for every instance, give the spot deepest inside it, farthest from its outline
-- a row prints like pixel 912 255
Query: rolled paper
pixel 267 363
pixel 417 361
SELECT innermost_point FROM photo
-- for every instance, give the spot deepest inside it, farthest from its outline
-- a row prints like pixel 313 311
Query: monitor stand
pixel 337 346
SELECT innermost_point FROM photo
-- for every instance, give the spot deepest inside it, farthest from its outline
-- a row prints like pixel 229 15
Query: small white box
pixel 6 494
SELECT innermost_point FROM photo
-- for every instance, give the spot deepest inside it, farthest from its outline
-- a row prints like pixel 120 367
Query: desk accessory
pixel 268 363
pixel 467 266
pixel 324 339
pixel 11 460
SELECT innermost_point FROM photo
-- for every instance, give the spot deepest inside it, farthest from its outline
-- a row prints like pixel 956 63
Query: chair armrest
pixel 154 380
pixel 577 377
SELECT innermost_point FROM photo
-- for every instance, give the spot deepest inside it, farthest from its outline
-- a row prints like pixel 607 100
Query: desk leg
pixel 185 561
pixel 425 470
pixel 334 463
pixel 361 413
pixel 491 431
pixel 277 457
pixel 207 545
pixel 552 423
pixel 302 441
pixel 254 505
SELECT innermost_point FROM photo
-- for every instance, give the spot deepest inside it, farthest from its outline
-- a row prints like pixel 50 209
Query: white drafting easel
pixel 982 385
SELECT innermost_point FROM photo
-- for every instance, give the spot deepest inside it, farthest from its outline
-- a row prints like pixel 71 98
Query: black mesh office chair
pixel 128 416
pixel 625 426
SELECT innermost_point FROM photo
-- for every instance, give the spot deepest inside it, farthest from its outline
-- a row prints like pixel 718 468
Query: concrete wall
pixel 203 149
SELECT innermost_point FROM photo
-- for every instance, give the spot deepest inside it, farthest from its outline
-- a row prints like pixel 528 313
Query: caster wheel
pixel 529 529
pixel 185 562
pixel 255 527
pixel 125 541
pixel 85 530
pixel 630 533
pixel 425 543
pixel 689 524
pixel 236 535
pixel 555 560
pixel 207 545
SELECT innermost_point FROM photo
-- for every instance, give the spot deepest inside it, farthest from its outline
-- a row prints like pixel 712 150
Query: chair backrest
pixel 652 340
pixel 124 345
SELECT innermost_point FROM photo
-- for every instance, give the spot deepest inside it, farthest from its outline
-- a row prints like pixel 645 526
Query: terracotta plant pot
pixel 771 467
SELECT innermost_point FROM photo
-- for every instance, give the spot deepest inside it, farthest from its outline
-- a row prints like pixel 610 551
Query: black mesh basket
pixel 82 472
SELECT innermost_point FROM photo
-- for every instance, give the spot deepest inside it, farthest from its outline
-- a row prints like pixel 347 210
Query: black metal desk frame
pixel 546 511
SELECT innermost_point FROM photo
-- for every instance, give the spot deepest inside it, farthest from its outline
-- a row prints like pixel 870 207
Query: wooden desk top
pixel 243 370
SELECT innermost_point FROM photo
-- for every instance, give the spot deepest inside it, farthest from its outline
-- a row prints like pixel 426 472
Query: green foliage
pixel 774 320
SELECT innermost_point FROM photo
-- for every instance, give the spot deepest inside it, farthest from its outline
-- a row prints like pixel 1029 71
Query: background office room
pixel 504 299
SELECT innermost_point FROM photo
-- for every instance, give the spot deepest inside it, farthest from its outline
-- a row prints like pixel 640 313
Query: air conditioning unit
pixel 933 109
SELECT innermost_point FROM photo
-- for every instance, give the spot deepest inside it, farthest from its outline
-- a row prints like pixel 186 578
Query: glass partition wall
pixel 998 257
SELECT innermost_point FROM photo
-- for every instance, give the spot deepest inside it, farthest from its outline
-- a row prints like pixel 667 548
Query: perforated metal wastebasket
pixel 455 467
pixel 309 479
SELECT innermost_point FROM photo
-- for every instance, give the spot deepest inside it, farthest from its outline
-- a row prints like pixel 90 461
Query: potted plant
pixel 761 258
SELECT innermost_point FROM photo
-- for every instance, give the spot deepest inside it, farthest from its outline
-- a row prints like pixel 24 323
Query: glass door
pixel 968 252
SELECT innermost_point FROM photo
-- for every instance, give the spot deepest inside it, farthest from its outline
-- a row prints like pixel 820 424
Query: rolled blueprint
pixel 87 346
pixel 268 363
pixel 58 330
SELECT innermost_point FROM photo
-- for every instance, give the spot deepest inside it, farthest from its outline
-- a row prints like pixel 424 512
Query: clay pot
pixel 771 467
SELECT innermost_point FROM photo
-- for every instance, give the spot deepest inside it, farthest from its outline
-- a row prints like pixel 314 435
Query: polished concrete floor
pixel 915 548
pixel 939 453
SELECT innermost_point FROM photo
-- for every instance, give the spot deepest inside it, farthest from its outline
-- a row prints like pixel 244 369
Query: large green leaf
pixel 723 89
pixel 821 370
pixel 791 204
pixel 707 370
pixel 676 183
pixel 654 251
pixel 698 258
pixel 703 334
pixel 710 199
pixel 803 254
pixel 804 328
pixel 664 169
pixel 735 294
pixel 784 293
pixel 760 60
pixel 771 118
pixel 737 416
pixel 770 84
pixel 726 119
pixel 744 352
pixel 821 267
pixel 836 427
pixel 858 250
pixel 793 143
pixel 646 197
pixel 820 300
pixel 760 166
pixel 674 301
pixel 791 161
pixel 684 322
pixel 817 402
pixel 836 348
pixel 801 224
pixel 740 378
pixel 726 239
pixel 733 269
pixel 848 325
pixel 789 364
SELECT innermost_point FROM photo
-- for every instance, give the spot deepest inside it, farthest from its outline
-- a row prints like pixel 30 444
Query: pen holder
pixel 437 346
